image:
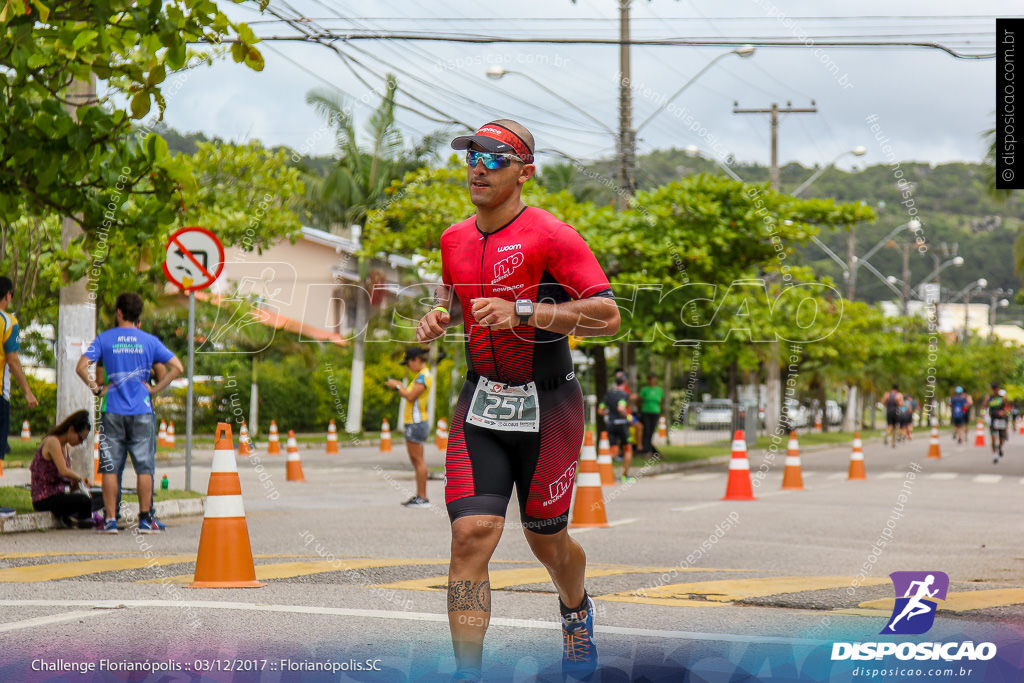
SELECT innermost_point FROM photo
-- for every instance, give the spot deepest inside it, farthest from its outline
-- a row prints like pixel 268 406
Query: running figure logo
pixel 914 613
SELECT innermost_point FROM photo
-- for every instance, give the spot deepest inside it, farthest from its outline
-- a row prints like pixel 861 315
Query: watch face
pixel 524 307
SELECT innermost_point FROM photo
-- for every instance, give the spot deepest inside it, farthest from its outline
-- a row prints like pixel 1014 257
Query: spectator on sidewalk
pixel 128 425
pixel 11 364
pixel 56 487
pixel 651 397
pixel 415 394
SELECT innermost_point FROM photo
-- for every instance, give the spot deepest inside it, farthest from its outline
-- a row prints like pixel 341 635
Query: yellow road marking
pixel 287 570
pixel 503 578
pixel 729 590
pixel 67 570
pixel 964 601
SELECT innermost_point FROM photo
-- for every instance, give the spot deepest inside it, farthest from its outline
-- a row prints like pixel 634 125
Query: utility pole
pixel 775 111
pixel 627 136
pixel 76 316
pixel 773 373
pixel 851 265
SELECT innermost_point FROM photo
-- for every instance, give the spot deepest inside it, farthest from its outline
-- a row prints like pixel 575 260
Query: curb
pixel 44 521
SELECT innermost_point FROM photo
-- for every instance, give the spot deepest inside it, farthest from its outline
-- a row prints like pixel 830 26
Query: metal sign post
pixel 194 260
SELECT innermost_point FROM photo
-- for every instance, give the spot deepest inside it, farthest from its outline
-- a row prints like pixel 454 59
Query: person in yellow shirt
pixel 10 363
pixel 417 427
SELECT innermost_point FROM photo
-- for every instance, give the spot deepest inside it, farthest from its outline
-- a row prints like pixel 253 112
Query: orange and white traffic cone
pixel 817 423
pixel 332 438
pixel 293 467
pixel 1022 427
pixel 225 556
pixel 385 436
pixel 441 435
pixel 979 437
pixel 588 508
pixel 96 459
pixel 604 457
pixel 170 435
pixel 857 472
pixel 793 476
pixel 161 439
pixel 244 445
pixel 933 444
pixel 662 430
pixel 273 441
pixel 739 486
pixel 26 433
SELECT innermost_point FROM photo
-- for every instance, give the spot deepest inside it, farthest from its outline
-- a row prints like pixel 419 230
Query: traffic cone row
pixel 739 486
pixel 224 559
pixel 933 444
pixel 441 435
pixel 26 433
pixel 792 476
pixel 293 467
pixel 604 457
pixel 332 439
pixel 979 437
pixel 161 439
pixel 385 437
pixel 273 441
pixel 588 508
pixel 857 472
pixel 244 445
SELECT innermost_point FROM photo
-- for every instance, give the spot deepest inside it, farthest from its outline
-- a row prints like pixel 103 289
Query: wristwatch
pixel 524 309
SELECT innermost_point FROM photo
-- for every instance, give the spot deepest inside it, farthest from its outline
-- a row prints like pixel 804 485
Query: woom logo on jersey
pixel 509 247
pixel 914 614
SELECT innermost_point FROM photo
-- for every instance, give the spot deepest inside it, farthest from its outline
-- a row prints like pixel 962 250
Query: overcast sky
pixel 930 105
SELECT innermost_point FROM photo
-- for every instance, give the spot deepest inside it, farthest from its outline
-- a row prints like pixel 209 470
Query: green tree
pixel 52 161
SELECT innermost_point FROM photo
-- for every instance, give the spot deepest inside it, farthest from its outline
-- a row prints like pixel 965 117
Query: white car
pixel 718 412
pixel 798 414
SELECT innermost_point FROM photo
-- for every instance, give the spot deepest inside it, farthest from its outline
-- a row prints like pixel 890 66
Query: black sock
pixel 568 611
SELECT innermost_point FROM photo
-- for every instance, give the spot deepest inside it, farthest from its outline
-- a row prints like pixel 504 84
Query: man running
pixel 892 401
pixel 520 280
pixel 960 407
pixel 997 409
pixel 614 409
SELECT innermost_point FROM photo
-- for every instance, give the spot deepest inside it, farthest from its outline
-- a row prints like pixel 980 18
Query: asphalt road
pixel 688 586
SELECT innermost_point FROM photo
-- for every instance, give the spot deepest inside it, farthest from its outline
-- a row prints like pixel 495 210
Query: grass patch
pixel 21 498
pixel 724 447
pixel 21 451
pixel 16 497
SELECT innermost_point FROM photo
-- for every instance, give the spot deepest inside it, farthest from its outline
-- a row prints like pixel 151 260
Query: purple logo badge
pixel 916 595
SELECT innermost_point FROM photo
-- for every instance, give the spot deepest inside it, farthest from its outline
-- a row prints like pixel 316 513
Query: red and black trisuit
pixel 538 257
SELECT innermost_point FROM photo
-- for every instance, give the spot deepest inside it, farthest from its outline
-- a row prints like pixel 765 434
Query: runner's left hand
pixel 495 313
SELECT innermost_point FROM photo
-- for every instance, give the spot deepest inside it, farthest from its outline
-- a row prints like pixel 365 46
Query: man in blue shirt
pixel 128 425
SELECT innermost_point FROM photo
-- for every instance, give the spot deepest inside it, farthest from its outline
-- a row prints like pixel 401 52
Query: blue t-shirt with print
pixel 128 355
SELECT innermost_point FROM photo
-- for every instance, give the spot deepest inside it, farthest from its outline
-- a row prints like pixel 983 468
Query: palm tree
pixel 355 185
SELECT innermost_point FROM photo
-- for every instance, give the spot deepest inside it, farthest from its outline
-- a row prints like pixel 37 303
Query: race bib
pixel 503 407
pixel 999 423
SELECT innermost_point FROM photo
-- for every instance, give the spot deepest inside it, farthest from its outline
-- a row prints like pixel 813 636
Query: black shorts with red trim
pixel 482 465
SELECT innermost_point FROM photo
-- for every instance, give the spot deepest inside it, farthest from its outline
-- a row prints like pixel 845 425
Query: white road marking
pixel 987 479
pixel 892 475
pixel 401 616
pixel 691 508
pixel 36 622
pixel 703 476
pixel 616 523
pixel 942 475
pixel 838 475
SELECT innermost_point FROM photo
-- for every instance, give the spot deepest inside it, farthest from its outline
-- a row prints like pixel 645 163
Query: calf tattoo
pixel 469 596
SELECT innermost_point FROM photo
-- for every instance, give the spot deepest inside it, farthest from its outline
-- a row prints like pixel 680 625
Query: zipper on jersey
pixel 490 333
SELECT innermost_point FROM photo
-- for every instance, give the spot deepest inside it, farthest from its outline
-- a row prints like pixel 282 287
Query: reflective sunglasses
pixel 492 161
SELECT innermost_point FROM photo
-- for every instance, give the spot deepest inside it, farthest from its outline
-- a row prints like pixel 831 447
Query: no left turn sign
pixel 194 259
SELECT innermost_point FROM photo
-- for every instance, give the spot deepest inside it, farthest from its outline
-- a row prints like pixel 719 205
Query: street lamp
pixel 695 151
pixel 743 51
pixel 965 293
pixel 857 151
pixel 496 72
